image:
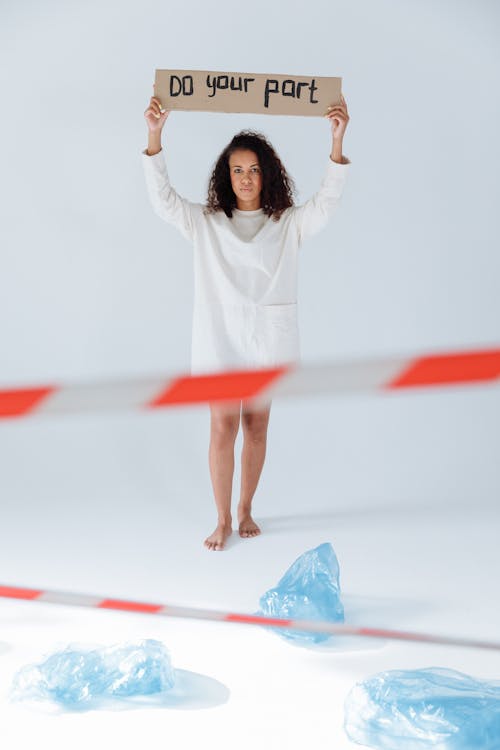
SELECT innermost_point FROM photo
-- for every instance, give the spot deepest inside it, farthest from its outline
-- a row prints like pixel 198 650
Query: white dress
pixel 245 272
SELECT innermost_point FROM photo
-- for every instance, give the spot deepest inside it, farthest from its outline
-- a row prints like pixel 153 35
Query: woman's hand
pixel 155 116
pixel 339 117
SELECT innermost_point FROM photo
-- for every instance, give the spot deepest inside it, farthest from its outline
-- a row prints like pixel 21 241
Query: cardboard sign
pixel 215 91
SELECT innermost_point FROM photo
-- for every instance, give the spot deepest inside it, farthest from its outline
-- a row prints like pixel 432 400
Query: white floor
pixel 405 488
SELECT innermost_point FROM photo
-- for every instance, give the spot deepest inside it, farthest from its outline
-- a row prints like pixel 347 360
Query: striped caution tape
pixel 254 386
pixel 166 610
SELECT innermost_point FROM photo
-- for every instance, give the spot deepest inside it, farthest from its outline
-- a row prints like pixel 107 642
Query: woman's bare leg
pixel 255 425
pixel 224 425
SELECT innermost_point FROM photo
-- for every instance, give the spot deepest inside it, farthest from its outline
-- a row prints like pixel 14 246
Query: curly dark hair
pixel 277 185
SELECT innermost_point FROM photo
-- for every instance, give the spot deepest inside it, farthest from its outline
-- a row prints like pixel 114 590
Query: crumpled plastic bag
pixel 309 590
pixel 433 708
pixel 75 677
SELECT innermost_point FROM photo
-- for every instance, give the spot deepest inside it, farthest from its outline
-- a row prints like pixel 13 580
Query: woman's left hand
pixel 339 117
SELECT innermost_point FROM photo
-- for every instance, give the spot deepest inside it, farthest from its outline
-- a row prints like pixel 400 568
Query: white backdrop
pixel 93 284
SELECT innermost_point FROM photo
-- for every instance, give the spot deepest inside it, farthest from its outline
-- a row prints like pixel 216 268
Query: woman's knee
pixel 255 426
pixel 224 426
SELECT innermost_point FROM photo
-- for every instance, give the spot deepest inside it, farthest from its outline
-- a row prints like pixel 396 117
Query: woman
pixel 246 242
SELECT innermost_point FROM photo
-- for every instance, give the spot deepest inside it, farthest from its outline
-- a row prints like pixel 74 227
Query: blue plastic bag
pixel 424 708
pixel 77 678
pixel 309 590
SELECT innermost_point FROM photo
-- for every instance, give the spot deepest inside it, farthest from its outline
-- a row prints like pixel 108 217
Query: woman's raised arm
pixel 155 117
pixel 339 117
pixel 315 213
pixel 166 202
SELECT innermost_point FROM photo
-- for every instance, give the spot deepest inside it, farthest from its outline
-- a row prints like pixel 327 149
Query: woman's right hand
pixel 155 115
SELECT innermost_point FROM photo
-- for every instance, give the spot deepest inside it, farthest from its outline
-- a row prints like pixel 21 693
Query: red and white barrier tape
pixel 166 610
pixel 379 375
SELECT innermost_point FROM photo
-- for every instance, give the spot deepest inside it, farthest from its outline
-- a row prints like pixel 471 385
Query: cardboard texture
pixel 260 93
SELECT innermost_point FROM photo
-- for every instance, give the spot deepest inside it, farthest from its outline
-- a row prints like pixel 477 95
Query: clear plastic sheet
pixel 424 708
pixel 76 678
pixel 309 590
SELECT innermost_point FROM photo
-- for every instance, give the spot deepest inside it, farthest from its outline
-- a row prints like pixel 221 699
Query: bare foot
pixel 248 528
pixel 217 540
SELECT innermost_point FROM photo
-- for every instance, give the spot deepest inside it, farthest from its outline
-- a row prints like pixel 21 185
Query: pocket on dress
pixel 281 316
pixel 279 333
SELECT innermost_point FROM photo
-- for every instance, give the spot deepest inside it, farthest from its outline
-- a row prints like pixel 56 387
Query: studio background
pixel 93 285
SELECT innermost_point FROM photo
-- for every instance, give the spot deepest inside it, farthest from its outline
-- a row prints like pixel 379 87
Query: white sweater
pixel 245 271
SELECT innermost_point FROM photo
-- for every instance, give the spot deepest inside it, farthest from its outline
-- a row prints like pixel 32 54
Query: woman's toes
pixel 216 541
pixel 248 528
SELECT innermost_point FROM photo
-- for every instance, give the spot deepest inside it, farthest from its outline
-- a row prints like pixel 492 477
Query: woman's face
pixel 246 179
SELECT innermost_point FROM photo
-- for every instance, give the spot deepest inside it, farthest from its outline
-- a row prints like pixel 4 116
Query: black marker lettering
pixel 268 90
pixel 182 86
pixel 179 84
pixel 187 85
pixel 246 82
pixel 233 86
pixel 313 88
pixel 211 85
pixel 222 80
pixel 299 85
pixel 291 92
